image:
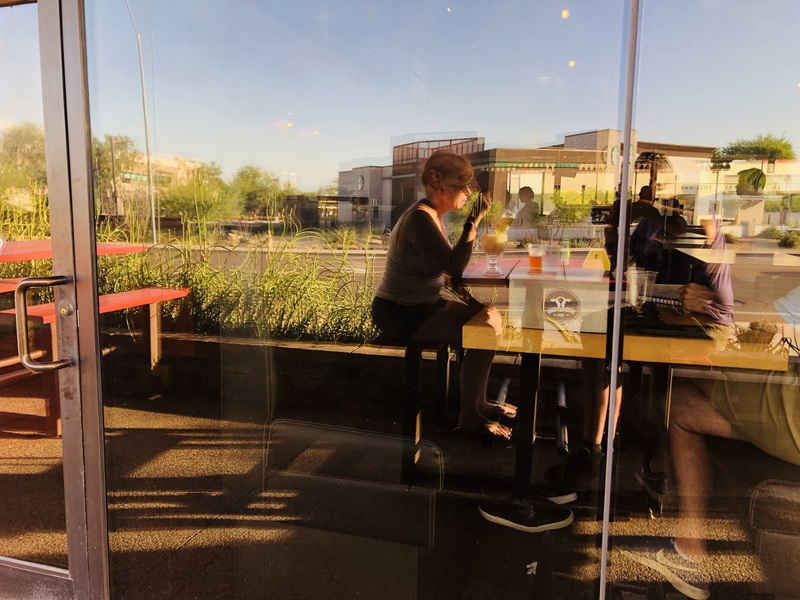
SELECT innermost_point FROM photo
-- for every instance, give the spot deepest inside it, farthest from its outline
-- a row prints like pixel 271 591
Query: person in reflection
pixel 710 294
pixel 765 413
pixel 408 305
pixel 647 240
pixel 641 210
pixel 528 209
pixel 582 469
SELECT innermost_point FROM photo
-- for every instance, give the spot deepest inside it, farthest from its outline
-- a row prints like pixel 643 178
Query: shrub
pixel 770 233
pixel 790 239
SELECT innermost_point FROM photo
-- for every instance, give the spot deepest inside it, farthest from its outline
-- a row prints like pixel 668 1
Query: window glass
pixel 33 528
pixel 707 420
pixel 279 148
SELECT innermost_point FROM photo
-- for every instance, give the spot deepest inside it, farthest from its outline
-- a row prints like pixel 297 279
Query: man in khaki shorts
pixel 764 413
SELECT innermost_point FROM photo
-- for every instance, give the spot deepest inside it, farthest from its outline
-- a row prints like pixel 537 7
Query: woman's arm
pixel 422 233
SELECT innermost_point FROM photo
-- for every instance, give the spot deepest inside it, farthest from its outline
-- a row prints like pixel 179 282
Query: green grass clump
pixel 290 292
pixel 730 238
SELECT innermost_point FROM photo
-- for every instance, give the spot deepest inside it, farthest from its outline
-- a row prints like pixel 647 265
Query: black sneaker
pixel 551 493
pixel 525 515
pixel 651 482
pixel 580 471
pixel 688 576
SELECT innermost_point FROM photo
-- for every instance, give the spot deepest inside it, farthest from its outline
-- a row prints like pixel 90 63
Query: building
pixel 584 166
pixel 364 197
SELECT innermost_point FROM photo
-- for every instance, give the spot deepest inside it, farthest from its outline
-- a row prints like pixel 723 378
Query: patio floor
pixel 302 499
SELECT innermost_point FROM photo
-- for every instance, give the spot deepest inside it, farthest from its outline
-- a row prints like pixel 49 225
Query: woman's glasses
pixel 462 187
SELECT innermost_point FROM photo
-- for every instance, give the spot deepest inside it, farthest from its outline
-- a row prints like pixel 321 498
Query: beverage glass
pixel 632 276
pixel 647 279
pixel 640 285
pixel 535 254
pixel 493 244
pixel 551 260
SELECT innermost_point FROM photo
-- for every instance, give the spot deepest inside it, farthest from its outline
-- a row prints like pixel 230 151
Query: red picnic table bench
pixel 151 297
pixel 24 250
pixel 12 372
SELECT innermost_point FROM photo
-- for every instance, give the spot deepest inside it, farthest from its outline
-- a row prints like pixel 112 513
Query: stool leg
pixel 411 415
pixel 562 436
pixel 442 384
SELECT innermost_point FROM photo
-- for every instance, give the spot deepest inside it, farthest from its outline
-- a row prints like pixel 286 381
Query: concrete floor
pixel 309 505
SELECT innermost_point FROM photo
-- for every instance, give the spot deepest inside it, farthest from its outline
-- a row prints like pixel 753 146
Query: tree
pixel 115 159
pixel 751 182
pixel 22 157
pixel 767 147
pixel 762 147
pixel 199 195
pixel 256 191
pixel 332 189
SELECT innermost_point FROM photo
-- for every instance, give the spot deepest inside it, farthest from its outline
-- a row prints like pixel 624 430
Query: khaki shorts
pixel 765 413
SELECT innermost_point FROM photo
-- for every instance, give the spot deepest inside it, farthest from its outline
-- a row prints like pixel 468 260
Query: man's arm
pixel 700 299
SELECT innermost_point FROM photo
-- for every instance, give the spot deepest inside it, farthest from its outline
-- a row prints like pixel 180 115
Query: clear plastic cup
pixel 647 279
pixel 640 285
pixel 632 291
pixel 551 260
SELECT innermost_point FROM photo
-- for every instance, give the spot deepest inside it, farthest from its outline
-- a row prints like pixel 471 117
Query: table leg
pixel 526 418
pixel 155 338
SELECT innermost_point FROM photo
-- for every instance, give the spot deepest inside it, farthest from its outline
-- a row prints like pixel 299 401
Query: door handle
pixel 21 306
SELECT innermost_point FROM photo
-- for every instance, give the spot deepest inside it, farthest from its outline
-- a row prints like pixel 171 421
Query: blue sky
pixel 226 79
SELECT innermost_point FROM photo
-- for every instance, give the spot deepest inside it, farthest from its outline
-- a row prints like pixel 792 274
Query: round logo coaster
pixel 561 306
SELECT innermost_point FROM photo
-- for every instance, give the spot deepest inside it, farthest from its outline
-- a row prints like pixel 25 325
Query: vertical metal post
pixel 629 78
pixel 150 192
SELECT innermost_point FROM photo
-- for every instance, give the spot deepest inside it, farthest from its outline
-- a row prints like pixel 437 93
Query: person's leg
pixel 692 417
pixel 596 404
pixel 473 381
pixel 446 326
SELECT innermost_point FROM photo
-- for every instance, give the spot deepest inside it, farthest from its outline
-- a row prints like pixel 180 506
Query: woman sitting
pixel 408 305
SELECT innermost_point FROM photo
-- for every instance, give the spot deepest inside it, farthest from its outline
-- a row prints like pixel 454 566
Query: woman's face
pixel 455 195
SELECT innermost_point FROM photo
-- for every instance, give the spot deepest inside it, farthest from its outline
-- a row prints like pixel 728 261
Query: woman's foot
pixel 493 411
pixel 498 429
pixel 485 427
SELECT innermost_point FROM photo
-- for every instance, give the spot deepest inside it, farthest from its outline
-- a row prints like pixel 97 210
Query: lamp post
pixel 150 192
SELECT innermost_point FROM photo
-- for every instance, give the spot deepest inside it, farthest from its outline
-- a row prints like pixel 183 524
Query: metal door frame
pixel 62 42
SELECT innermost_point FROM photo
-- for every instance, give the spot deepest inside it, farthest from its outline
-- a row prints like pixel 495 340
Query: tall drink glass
pixel 493 244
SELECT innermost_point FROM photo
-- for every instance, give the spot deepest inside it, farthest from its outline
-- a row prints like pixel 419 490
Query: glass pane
pixel 31 475
pixel 708 431
pixel 255 427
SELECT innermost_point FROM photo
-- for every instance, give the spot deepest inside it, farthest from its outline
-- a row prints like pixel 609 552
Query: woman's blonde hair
pixel 452 169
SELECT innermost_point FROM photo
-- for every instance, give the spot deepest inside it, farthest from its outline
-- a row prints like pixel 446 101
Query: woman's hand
pixel 494 318
pixel 484 202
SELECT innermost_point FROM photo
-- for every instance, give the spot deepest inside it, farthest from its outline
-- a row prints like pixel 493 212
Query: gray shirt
pixel 419 255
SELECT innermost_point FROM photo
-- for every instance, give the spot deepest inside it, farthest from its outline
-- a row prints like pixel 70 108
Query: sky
pixel 313 86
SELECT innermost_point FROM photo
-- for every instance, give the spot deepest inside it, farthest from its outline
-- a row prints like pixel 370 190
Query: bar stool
pixel 412 408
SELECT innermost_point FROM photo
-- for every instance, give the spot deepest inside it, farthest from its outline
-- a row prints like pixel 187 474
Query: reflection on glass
pixel 718 336
pixel 280 177
pixel 33 526
pixel 279 228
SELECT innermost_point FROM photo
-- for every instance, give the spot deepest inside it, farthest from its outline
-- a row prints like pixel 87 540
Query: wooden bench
pixel 12 372
pixel 151 297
